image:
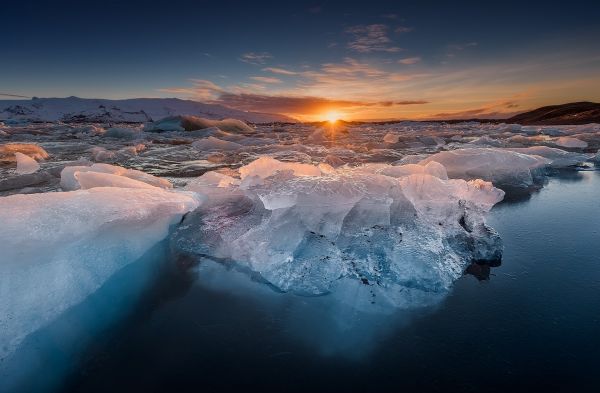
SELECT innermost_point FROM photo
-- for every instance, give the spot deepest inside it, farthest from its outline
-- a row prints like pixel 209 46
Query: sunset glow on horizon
pixel 375 61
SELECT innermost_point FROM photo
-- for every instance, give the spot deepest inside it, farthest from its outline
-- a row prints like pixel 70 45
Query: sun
pixel 332 116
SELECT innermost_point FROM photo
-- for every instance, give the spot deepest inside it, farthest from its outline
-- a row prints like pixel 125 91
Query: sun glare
pixel 332 117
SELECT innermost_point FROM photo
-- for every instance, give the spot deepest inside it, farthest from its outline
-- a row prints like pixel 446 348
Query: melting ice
pixel 380 216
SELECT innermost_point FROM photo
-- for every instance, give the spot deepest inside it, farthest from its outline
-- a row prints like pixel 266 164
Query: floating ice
pixel 212 143
pixel 566 141
pixel 306 229
pixel 191 123
pixel 69 181
pixel 26 164
pixel 122 133
pixel 431 168
pixel 8 150
pixel 558 158
pixel 91 179
pixel 500 166
pixel 267 166
pixel 59 247
pixel 391 138
pixel 100 154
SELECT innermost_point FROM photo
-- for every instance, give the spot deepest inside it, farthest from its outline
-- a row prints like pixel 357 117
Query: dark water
pixel 532 325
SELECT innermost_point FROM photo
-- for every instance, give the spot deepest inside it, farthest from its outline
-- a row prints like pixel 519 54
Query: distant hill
pixel 572 113
pixel 74 109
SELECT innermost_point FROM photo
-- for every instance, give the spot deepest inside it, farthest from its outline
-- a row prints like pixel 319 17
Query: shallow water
pixel 530 324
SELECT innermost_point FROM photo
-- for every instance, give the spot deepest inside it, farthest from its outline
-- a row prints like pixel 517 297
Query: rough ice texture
pixel 191 123
pixel 59 247
pixel 566 141
pixel 306 230
pixel 391 138
pixel 558 158
pixel 8 150
pixel 25 164
pixel 69 177
pixel 212 143
pixel 122 133
pixel 500 166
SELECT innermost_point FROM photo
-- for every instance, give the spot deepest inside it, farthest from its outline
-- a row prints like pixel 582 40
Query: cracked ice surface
pixel 308 229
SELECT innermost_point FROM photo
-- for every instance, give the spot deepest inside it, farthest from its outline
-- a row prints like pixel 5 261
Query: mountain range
pixel 75 109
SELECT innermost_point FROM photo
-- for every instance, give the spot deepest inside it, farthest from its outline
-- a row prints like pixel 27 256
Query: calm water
pixel 531 324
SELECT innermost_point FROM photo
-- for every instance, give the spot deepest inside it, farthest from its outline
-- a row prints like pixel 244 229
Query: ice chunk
pixel 267 166
pixel 391 138
pixel 408 237
pixel 59 247
pixel 69 182
pixel 98 179
pixel 26 164
pixel 8 150
pixel 191 123
pixel 431 168
pixel 212 143
pixel 122 133
pixel 558 158
pixel 567 141
pixel 500 166
pixel 486 141
pixel 101 154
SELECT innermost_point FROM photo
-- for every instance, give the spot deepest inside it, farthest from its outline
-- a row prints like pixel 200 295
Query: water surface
pixel 529 324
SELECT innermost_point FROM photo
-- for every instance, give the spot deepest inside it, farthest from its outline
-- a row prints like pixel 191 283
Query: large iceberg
pixel 57 248
pixel 192 123
pixel 309 229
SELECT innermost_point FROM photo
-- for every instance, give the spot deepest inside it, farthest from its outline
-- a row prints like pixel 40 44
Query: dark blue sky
pixel 338 53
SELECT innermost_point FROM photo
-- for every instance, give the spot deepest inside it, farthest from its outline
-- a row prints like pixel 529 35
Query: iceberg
pixel 499 166
pixel 8 150
pixel 59 247
pixel 192 123
pixel 69 178
pixel 570 142
pixel 25 164
pixel 308 230
pixel 212 143
pixel 558 158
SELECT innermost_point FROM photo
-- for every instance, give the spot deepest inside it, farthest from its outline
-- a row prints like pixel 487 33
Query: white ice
pixel 500 166
pixel 59 247
pixel 25 164
pixel 69 181
pixel 305 229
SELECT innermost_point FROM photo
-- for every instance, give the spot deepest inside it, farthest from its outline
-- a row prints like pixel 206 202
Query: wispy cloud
pixel 409 60
pixel 266 79
pixel 403 29
pixel 371 38
pixel 256 97
pixel 256 58
pixel 13 95
pixel 280 71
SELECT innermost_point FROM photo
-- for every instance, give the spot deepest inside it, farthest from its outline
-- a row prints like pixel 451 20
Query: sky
pixel 368 60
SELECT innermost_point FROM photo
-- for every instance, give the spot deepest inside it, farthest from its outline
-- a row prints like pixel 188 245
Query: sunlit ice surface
pixel 381 219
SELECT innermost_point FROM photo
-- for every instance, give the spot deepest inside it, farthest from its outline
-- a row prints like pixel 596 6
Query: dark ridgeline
pixel 571 113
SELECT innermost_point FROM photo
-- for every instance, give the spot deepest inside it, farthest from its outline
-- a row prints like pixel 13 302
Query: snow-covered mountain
pixel 74 109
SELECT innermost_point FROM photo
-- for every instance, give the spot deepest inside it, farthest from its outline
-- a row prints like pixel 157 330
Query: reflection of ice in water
pixel 332 324
pixel 391 237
